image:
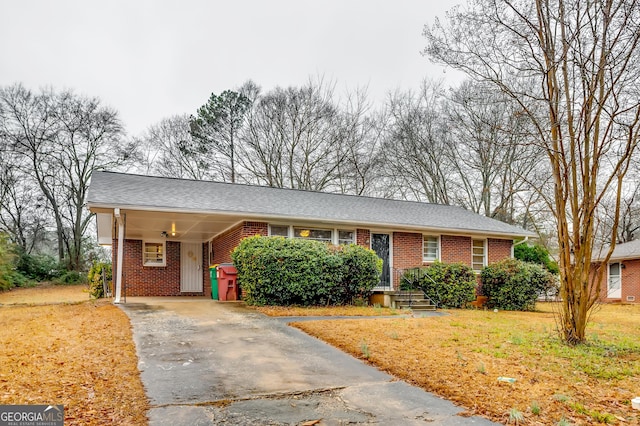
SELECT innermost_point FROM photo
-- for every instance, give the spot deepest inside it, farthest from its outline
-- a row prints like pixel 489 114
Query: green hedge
pixel 514 285
pixel 535 253
pixel 448 285
pixel 280 271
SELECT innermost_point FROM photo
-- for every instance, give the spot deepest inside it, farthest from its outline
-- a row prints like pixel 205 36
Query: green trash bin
pixel 213 274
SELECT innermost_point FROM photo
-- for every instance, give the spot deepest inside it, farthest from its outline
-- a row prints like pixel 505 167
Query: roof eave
pixel 264 216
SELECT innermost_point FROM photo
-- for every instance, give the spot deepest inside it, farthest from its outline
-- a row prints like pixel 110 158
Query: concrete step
pixel 409 296
pixel 421 305
pixel 415 294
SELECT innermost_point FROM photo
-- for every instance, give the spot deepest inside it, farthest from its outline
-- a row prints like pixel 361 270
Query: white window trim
pixel 438 249
pixel 335 232
pixel 484 254
pixel 289 230
pixel 332 237
pixel 336 235
pixel 164 253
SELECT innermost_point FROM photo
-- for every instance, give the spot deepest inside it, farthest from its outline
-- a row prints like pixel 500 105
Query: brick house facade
pixel 621 275
pixel 629 284
pixel 406 252
pixel 165 232
pixel 141 280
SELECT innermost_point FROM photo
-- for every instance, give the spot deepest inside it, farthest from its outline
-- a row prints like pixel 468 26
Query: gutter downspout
pixel 526 238
pixel 120 219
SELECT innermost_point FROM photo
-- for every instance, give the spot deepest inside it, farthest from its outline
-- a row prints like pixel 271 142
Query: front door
pixel 614 287
pixel 190 268
pixel 380 243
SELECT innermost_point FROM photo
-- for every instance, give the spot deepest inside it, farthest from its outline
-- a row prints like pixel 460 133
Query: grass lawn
pixel 79 354
pixel 460 357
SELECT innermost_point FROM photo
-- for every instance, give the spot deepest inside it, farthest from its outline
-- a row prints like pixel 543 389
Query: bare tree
pixel 572 67
pixel 167 149
pixel 22 206
pixel 293 139
pixel 489 153
pixel 629 221
pixel 417 144
pixel 62 138
pixel 362 134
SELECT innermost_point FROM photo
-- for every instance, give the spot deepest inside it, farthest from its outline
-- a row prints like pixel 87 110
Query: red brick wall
pixel 363 238
pixel 407 250
pixel 142 280
pixel 206 279
pixel 255 228
pixel 407 253
pixel 631 280
pixel 224 244
pixel 498 249
pixel 455 249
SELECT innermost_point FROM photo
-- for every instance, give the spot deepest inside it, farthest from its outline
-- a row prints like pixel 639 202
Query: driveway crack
pixel 270 396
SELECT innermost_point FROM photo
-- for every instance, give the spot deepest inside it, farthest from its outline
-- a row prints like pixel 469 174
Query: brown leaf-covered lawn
pixel 77 354
pixel 461 355
pixel 332 311
pixel 45 293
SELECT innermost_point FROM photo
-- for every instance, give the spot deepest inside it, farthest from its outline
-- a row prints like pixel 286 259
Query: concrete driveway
pixel 205 362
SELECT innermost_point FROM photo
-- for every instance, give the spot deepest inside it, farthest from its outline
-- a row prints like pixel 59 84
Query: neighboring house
pixel 166 232
pixel 622 274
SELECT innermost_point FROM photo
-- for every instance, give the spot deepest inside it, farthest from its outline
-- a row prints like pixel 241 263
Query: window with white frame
pixel 324 235
pixel 430 252
pixel 345 237
pixel 333 236
pixel 479 258
pixel 279 230
pixel 154 253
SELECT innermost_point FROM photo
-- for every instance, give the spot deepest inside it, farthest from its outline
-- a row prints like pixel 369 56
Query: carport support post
pixel 120 220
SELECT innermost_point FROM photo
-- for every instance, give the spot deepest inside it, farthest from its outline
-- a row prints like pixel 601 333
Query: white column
pixel 120 262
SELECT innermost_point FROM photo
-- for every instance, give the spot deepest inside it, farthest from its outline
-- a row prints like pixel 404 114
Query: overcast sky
pixel 152 59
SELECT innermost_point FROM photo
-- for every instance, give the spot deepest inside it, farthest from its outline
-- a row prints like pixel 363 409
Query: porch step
pixel 414 300
pixel 421 305
pixel 407 295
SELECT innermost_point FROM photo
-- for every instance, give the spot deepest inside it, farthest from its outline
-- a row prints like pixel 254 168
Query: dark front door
pixel 380 244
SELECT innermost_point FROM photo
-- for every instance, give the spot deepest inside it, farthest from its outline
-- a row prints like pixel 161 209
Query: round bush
pixel 361 273
pixel 280 271
pixel 514 285
pixel 448 285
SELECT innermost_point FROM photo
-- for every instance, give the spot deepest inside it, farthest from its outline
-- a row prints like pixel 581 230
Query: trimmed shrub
pixel 514 285
pixel 361 273
pixel 97 274
pixel 448 285
pixel 280 271
pixel 537 254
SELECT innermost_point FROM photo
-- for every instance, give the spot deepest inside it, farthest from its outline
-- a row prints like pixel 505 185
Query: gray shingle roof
pixel 110 189
pixel 629 250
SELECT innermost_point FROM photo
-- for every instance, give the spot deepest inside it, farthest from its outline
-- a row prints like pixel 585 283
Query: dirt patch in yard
pixel 461 356
pixel 80 355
